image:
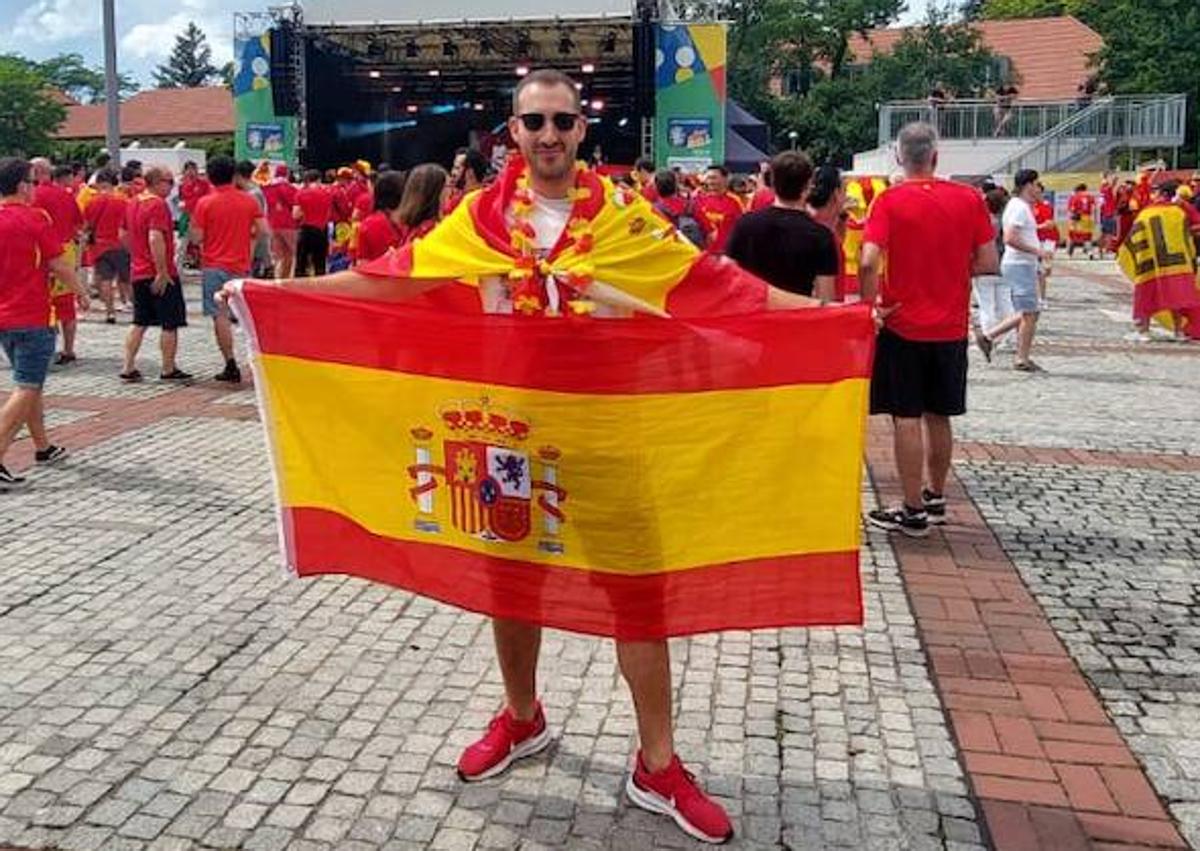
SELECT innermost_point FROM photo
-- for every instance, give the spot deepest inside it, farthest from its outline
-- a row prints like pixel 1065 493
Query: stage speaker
pixel 285 77
pixel 643 69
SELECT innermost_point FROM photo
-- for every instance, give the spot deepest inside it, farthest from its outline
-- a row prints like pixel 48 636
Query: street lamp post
pixel 793 135
pixel 112 96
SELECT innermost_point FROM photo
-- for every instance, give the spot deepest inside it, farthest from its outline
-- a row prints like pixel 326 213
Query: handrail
pixel 1134 120
pixel 978 119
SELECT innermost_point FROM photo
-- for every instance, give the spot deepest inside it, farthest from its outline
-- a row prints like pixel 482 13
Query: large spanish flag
pixel 638 478
pixel 1159 257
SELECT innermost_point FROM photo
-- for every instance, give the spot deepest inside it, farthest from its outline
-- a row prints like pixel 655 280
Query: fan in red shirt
pixel 108 256
pixel 643 178
pixel 281 200
pixel 718 209
pixel 467 174
pixel 192 187
pixel 30 249
pixel 345 190
pixel 1108 214
pixel 382 230
pixel 314 212
pixel 226 223
pixel 936 235
pixel 1048 235
pixel 157 291
pixel 420 208
pixel 1081 208
pixel 56 199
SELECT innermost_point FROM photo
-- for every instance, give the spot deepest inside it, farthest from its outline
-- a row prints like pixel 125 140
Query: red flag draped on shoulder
pixel 1159 257
pixel 637 478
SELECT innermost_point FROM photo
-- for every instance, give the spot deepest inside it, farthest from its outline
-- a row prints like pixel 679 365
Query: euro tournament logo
pixel 488 474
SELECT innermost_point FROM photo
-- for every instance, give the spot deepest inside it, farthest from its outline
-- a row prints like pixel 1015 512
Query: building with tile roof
pixel 158 116
pixel 1049 56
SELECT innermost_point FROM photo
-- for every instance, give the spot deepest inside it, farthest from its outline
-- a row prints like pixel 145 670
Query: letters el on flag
pixel 638 478
pixel 1159 257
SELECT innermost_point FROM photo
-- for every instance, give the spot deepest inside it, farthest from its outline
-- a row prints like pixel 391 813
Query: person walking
pixel 104 217
pixel 781 243
pixel 936 234
pixel 54 196
pixel 313 211
pixel 157 290
pixel 281 199
pixel 225 225
pixel 992 293
pixel 1023 256
pixel 31 249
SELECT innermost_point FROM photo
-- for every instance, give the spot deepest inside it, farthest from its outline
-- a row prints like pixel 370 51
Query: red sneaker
pixel 505 741
pixel 673 792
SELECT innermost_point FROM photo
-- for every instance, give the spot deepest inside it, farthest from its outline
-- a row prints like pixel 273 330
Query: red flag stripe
pixel 636 356
pixel 763 593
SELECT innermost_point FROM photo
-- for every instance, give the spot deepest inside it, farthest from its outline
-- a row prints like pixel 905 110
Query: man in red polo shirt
pixel 314 209
pixel 936 235
pixel 104 215
pixel 56 199
pixel 157 291
pixel 718 209
pixel 192 187
pixel 29 249
pixel 225 224
pixel 281 198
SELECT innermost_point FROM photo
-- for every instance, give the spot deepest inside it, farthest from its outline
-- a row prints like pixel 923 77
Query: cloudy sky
pixel 145 28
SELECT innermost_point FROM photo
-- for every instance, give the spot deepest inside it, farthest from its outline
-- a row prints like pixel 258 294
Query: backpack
pixel 686 223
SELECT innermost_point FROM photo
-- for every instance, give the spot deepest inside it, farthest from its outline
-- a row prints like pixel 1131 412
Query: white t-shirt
pixel 1018 214
pixel 549 218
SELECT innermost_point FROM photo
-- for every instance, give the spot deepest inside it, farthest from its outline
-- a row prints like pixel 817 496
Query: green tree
pixel 68 73
pixel 838 115
pixel 190 62
pixel 28 114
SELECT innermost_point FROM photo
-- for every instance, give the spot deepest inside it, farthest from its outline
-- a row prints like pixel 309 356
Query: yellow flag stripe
pixel 652 482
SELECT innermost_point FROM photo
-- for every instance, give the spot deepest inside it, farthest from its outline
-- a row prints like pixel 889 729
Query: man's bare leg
pixel 169 343
pixel 108 296
pixel 517 648
pixel 37 423
pixel 646 666
pixel 15 413
pixel 68 336
pixel 224 332
pixel 939 449
pixel 1025 336
pixel 133 342
pixel 909 445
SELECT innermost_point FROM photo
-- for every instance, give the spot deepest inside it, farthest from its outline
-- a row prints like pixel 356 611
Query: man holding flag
pixel 1159 257
pixel 551 238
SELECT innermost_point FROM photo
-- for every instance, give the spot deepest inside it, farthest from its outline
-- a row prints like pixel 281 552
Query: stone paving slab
pixel 162 685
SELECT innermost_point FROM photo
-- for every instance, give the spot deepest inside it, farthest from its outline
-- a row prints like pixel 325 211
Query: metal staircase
pixel 1061 135
pixel 1105 125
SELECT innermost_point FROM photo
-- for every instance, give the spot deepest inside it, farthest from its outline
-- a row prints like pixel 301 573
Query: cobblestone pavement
pixel 163 686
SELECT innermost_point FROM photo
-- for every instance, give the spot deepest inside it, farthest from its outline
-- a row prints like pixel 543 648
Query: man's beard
pixel 546 171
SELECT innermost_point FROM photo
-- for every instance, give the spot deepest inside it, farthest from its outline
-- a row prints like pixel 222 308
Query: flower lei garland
pixel 532 276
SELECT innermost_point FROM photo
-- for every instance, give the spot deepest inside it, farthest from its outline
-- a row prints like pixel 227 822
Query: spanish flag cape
pixel 637 478
pixel 616 248
pixel 1159 257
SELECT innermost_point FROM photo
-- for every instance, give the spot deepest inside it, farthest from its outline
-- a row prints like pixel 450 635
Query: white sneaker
pixel 1138 337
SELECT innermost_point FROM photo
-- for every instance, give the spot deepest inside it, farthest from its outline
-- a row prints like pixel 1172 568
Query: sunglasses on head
pixel 535 121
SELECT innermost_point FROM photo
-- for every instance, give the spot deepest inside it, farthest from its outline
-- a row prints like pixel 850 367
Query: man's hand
pixel 160 283
pixel 880 313
pixel 81 299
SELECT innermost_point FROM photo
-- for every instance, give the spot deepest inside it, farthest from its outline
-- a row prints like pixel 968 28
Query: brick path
pixel 1025 680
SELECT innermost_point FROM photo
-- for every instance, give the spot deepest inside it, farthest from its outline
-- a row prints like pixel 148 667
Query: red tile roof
pixel 1050 55
pixel 158 112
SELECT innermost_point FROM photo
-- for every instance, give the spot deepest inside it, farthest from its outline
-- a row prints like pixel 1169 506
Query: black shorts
pixel 913 377
pixel 113 265
pixel 167 310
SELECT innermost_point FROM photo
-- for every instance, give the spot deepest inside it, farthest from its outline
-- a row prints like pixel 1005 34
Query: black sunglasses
pixel 535 121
